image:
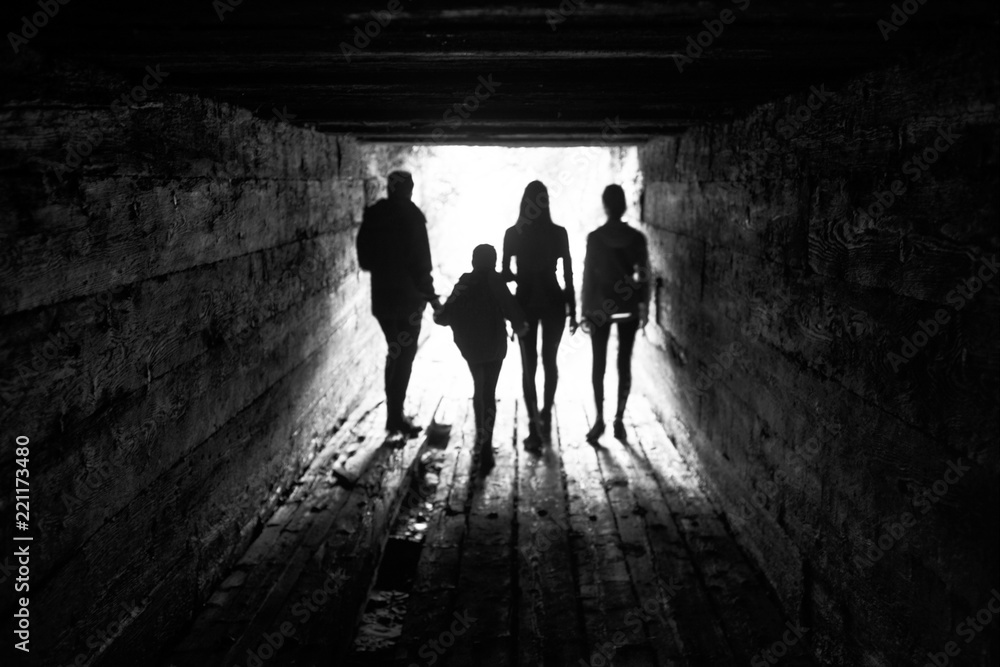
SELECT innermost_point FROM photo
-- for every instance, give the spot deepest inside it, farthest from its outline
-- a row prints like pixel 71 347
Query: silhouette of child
pixel 476 311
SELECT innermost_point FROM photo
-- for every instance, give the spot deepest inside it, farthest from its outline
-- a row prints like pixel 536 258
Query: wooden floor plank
pixel 637 503
pixel 549 623
pixel 745 607
pixel 615 555
pixel 291 556
pixel 486 581
pixel 608 597
pixel 432 600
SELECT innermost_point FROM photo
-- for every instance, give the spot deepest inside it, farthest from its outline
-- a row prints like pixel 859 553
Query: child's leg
pixel 477 399
pixel 491 374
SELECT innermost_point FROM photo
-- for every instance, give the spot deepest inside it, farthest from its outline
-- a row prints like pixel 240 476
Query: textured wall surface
pixel 182 324
pixel 858 468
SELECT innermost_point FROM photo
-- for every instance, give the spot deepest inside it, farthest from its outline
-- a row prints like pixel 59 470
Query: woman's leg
pixel 552 331
pixel 529 362
pixel 626 342
pixel 599 335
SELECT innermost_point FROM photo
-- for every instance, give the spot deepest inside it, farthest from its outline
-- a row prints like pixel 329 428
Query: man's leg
pixel 390 329
pixel 401 337
pixel 626 341
pixel 599 335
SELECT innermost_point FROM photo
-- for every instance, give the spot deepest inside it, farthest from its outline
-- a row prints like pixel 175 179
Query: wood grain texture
pixel 779 314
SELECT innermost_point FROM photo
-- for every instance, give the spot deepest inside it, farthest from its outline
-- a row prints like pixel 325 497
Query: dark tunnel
pixel 200 460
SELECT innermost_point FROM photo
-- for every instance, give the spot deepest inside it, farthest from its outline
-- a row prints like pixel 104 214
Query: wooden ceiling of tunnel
pixel 454 72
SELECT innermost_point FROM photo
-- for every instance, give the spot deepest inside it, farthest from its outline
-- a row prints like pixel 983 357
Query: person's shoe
pixel 619 429
pixel 533 442
pixel 404 426
pixel 596 431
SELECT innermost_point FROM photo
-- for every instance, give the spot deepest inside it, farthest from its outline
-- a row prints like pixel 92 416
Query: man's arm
pixel 443 314
pixel 421 260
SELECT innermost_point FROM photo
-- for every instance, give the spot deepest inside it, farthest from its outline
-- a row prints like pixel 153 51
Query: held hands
pixel 573 324
pixel 643 315
pixel 438 310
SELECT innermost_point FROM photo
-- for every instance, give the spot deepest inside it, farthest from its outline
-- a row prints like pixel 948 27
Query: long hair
pixel 534 205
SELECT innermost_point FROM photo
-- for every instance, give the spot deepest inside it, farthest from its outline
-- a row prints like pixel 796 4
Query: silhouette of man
pixel 393 246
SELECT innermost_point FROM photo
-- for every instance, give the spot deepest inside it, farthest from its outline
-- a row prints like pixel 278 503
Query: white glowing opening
pixel 470 195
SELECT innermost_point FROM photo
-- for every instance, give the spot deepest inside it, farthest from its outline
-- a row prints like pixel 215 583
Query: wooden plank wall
pixel 182 325
pixel 776 319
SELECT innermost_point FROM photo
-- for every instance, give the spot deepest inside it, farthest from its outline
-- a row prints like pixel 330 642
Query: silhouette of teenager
pixel 615 290
pixel 537 244
pixel 393 246
pixel 476 311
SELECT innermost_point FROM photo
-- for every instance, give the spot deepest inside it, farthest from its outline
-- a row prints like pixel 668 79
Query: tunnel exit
pixel 470 194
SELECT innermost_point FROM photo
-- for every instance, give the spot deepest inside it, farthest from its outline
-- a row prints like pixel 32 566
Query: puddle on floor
pixel 382 620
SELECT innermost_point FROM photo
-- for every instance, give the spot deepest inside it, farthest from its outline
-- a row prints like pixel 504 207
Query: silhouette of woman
pixel 615 290
pixel 537 244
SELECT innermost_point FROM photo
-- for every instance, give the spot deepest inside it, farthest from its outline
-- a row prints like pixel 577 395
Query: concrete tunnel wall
pixel 778 310
pixel 183 324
